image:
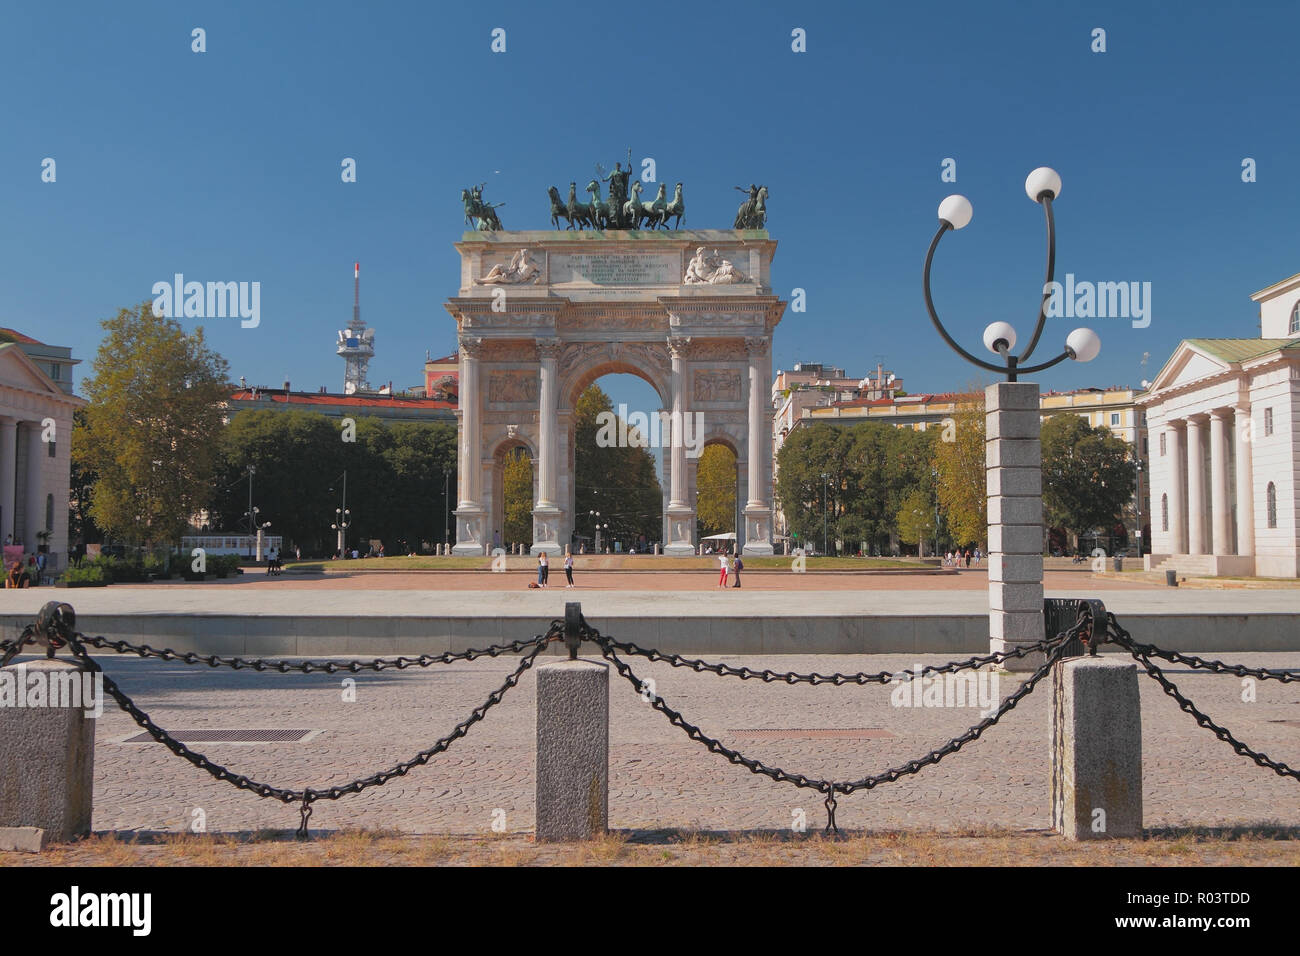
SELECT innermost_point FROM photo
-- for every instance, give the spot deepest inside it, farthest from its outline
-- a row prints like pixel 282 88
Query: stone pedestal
pixel 1096 749
pixel 470 539
pixel 681 523
pixel 47 753
pixel 572 751
pixel 1013 460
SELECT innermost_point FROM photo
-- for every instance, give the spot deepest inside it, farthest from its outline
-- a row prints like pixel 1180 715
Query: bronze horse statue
pixel 675 208
pixel 598 208
pixel 753 212
pixel 482 216
pixel 558 209
pixel 579 214
pixel 655 212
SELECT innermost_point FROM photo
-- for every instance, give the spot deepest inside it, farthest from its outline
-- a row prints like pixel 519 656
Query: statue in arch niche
pixel 521 269
pixel 711 270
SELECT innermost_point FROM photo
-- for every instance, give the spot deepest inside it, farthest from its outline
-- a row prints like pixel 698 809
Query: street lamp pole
pixel 826 493
pixel 342 519
pixel 1012 425
pixel 250 513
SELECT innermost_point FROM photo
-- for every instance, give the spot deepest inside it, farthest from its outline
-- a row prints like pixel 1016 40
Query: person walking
pixel 737 566
pixel 568 568
pixel 968 557
pixel 722 570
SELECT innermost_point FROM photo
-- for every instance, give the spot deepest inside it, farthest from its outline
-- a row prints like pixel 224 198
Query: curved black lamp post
pixel 1082 345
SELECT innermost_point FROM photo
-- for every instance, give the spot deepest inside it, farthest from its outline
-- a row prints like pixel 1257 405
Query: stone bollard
pixel 47 749
pixel 572 750
pixel 1096 749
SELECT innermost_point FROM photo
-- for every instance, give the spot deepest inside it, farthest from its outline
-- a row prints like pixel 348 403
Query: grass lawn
pixel 1245 846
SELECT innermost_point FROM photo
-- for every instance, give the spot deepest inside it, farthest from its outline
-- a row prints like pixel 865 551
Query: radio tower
pixel 356 343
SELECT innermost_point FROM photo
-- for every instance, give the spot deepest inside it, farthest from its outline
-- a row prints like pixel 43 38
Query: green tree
pixel 960 463
pixel 518 490
pixel 1088 475
pixel 152 427
pixel 395 483
pixel 82 529
pixel 620 483
pixel 916 519
pixel 715 485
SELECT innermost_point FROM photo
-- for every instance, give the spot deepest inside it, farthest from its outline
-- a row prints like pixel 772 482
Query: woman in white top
pixel 568 567
pixel 722 570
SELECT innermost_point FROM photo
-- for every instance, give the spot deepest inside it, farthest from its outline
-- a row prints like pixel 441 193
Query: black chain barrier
pixel 1143 654
pixel 1053 648
pixel 54 628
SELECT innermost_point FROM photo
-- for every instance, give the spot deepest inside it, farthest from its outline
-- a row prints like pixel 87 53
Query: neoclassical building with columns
pixel 542 315
pixel 35 461
pixel 1223 419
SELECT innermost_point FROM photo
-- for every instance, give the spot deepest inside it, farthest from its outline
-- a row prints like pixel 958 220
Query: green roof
pixel 1241 350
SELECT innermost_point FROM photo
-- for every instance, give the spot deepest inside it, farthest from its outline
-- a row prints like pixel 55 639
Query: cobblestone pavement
pixel 658 777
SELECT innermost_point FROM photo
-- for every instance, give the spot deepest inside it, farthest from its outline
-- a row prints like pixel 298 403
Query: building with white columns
pixel 1223 418
pixel 35 461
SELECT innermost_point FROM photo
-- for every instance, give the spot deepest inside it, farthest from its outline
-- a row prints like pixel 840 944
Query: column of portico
pixel 35 510
pixel 546 514
pixel 1196 543
pixel 1177 456
pixel 1221 539
pixel 681 517
pixel 1245 484
pixel 470 534
pixel 8 471
pixel 757 535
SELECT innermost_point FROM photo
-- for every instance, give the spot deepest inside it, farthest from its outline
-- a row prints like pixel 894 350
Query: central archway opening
pixel 514 489
pixel 717 484
pixel 617 461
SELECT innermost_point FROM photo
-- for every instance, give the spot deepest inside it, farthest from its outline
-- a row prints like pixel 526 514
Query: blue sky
pixel 225 165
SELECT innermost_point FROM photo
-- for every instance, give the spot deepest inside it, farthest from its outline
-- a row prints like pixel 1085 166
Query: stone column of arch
pixel 757 533
pixel 681 515
pixel 547 514
pixel 471 539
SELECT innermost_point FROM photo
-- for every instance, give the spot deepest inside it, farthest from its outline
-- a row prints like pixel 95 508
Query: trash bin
pixel 1117 563
pixel 1061 614
pixel 1171 579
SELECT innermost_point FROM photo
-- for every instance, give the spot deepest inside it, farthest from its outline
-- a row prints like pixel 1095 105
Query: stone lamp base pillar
pixel 1014 475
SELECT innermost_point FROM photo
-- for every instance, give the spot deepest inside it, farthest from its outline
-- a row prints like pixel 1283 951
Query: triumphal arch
pixel 541 315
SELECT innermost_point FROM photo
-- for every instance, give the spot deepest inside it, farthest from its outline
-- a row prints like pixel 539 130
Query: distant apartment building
pixel 388 408
pixel 1114 408
pixel 811 385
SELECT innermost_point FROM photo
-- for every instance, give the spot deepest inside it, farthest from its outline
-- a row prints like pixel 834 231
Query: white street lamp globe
pixel 1083 345
pixel 999 332
pixel 956 211
pixel 1044 179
